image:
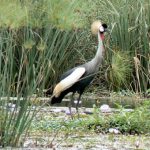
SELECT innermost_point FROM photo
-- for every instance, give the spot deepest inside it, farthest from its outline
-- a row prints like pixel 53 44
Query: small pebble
pixel 68 112
pixel 57 110
pixel 137 144
pixel 105 108
pixel 11 105
pixel 88 112
pixel 76 101
pixel 113 130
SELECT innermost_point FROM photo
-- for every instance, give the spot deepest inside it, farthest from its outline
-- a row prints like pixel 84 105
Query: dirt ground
pixel 78 139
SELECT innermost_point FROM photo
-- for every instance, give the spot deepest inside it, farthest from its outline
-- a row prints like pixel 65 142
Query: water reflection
pixel 127 102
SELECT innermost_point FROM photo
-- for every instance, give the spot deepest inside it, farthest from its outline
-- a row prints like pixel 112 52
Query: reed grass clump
pixel 36 42
pixel 120 70
pixel 129 25
pixel 40 39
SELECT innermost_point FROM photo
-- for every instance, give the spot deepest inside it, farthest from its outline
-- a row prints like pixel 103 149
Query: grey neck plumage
pixel 96 61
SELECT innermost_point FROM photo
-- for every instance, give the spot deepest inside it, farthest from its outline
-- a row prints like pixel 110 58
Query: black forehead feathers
pixel 104 25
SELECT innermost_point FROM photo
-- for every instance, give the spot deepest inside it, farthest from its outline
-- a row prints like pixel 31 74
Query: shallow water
pixel 113 102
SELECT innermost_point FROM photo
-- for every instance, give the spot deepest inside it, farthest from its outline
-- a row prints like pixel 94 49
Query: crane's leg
pixel 70 104
pixel 77 105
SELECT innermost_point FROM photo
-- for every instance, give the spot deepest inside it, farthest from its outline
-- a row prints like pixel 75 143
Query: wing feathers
pixel 68 81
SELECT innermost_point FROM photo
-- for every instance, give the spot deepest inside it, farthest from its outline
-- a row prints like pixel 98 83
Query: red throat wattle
pixel 102 36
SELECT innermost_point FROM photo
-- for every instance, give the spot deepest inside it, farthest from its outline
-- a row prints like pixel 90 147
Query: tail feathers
pixel 55 100
pixel 58 99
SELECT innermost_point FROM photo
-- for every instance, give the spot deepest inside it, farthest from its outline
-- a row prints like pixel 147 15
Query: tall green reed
pixel 33 51
pixel 27 65
pixel 129 24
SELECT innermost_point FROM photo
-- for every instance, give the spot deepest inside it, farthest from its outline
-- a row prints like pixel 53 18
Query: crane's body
pixel 78 78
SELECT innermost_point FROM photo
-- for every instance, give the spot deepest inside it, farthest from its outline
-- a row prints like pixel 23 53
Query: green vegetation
pixel 135 122
pixel 31 54
pixel 129 23
pixel 38 14
pixel 41 39
pixel 120 70
pixel 44 29
pixel 132 122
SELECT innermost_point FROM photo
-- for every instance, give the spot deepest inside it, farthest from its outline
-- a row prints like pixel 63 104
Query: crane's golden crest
pixel 95 27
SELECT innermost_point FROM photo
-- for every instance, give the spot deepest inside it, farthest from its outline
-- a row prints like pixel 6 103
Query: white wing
pixel 68 81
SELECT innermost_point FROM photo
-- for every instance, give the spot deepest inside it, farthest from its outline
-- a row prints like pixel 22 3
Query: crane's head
pixel 98 28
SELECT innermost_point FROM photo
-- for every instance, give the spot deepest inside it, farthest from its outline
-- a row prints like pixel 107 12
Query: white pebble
pixel 105 108
pixel 57 110
pixel 137 144
pixel 113 130
pixel 116 131
pixel 76 101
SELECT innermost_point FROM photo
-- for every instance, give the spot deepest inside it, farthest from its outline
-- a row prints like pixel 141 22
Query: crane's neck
pixel 99 54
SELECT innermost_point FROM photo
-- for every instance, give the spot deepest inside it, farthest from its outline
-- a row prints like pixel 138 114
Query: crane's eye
pixel 103 28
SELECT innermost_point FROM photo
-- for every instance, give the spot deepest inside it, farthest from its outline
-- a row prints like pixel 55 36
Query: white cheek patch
pixel 101 29
pixel 68 81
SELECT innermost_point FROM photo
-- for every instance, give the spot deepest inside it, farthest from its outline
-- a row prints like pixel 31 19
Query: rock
pixel 76 101
pixel 137 144
pixel 29 144
pixel 11 106
pixel 57 110
pixel 105 108
pixel 113 130
pixel 88 112
pixel 68 112
pixel 116 131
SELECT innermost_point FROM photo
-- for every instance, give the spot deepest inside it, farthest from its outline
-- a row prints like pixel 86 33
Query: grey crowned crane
pixel 78 78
